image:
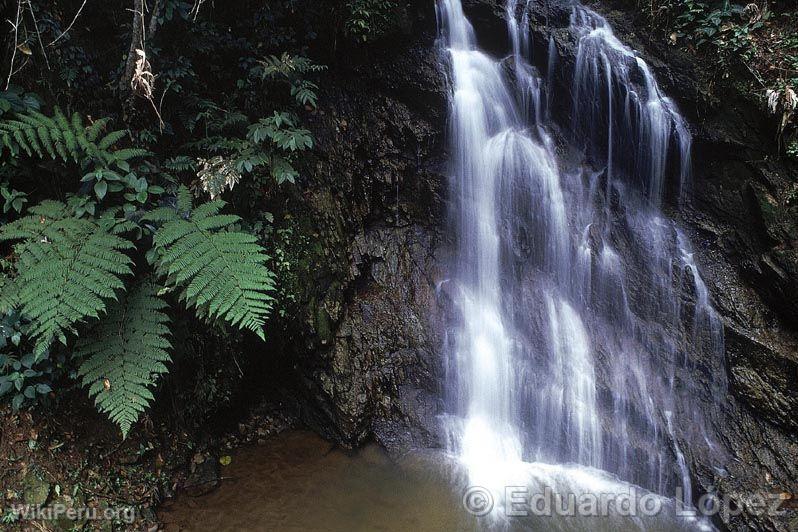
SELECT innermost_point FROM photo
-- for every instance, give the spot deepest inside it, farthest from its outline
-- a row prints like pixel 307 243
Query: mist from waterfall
pixel 573 333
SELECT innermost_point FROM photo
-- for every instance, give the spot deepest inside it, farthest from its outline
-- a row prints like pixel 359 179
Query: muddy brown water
pixel 297 481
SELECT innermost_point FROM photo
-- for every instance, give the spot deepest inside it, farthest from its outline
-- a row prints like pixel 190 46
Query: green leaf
pixel 100 189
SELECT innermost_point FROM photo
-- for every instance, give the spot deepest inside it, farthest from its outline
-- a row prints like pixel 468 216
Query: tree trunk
pixel 126 92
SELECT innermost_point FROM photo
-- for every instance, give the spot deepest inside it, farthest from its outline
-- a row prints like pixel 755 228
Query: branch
pixel 196 9
pixel 154 18
pixel 15 25
pixel 38 34
pixel 70 25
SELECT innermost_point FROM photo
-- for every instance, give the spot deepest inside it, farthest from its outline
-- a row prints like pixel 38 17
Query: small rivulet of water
pixel 578 302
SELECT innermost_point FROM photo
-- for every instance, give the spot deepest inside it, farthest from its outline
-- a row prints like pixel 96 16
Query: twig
pixel 196 8
pixel 112 451
pixel 14 53
pixel 154 17
pixel 166 89
pixel 70 25
pixel 40 527
pixel 755 74
pixel 240 371
pixel 38 34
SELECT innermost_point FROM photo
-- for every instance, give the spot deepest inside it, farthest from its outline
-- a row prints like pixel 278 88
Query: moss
pixel 323 325
pixel 35 490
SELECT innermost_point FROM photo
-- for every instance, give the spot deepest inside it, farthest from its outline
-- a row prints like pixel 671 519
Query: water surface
pixel 297 481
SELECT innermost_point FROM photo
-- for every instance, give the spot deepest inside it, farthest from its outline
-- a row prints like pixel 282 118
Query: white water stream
pixel 572 338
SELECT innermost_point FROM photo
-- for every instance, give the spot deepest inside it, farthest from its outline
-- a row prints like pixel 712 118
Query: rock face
pixel 368 363
pixel 745 233
pixel 371 366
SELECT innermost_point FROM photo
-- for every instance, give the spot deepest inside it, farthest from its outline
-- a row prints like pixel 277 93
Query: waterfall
pixel 578 302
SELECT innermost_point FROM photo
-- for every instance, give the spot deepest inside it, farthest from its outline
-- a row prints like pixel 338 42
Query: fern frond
pixel 97 127
pixel 222 272
pixel 125 353
pixel 183 200
pixel 58 136
pixel 111 139
pixel 68 268
pixel 181 163
pixel 129 153
pixel 160 215
pixel 9 294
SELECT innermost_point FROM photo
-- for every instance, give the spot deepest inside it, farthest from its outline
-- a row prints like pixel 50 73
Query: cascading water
pixel 573 334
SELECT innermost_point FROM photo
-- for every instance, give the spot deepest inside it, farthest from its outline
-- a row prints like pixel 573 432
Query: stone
pixel 203 479
pixel 35 490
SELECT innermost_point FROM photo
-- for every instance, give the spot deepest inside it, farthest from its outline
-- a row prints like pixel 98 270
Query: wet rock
pixel 204 477
pixel 35 491
pixel 370 363
pixel 382 368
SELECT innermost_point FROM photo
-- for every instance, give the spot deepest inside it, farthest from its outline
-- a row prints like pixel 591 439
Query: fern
pixel 288 66
pixel 124 354
pixel 67 269
pixel 8 295
pixel 69 139
pixel 181 163
pixel 222 272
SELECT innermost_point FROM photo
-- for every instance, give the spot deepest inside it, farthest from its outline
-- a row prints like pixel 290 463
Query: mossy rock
pixel 76 502
pixel 35 491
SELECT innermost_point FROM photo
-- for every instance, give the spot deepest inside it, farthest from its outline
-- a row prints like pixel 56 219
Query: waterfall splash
pixel 572 341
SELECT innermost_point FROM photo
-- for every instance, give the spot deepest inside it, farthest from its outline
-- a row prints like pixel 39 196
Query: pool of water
pixel 298 482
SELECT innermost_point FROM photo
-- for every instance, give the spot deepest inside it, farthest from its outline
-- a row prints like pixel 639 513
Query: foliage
pixel 293 69
pixel 106 252
pixel 70 140
pixel 271 142
pixel 369 19
pixel 125 353
pixel 240 146
pixel 756 39
pixel 72 264
pixel 724 27
pixel 13 199
pixel 24 379
pixel 292 262
pixel 221 272
pixel 37 134
pixel 15 100
pixel 68 269
pixel 217 175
